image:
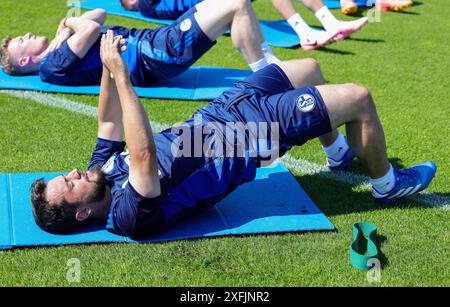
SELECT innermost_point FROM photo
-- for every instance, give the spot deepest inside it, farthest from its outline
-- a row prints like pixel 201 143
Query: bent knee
pixel 309 64
pixel 360 98
pixel 357 92
pixel 239 4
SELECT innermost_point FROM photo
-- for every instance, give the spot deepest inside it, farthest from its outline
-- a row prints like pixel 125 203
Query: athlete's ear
pixel 24 61
pixel 82 214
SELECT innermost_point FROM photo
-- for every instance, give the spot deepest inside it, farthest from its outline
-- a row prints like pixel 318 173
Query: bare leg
pixel 353 106
pixel 313 5
pixel 287 8
pixel 309 38
pixel 216 16
pixel 304 73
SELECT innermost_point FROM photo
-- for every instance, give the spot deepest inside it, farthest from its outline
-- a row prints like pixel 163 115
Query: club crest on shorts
pixel 186 25
pixel 306 103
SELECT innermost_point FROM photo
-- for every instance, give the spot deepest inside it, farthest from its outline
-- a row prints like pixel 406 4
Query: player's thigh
pixel 302 72
pixel 181 43
pixel 215 16
pixel 344 102
pixel 300 113
pixel 269 80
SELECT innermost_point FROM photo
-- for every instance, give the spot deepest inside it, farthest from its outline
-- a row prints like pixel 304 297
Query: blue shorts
pixel 268 96
pixel 166 9
pixel 170 50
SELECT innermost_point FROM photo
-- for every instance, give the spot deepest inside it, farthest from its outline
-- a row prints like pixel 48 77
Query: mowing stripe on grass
pixel 300 166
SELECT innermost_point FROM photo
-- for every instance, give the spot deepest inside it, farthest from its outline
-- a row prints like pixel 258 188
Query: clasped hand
pixel 111 49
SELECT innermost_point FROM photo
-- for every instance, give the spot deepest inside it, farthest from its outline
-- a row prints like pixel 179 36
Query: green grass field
pixel 404 60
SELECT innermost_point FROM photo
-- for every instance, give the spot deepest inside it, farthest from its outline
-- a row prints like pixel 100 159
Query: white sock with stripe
pixel 299 25
pixel 329 22
pixel 385 183
pixel 337 150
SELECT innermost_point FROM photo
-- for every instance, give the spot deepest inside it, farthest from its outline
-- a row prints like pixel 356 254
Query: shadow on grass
pixel 366 40
pixel 337 198
pixel 357 166
pixel 335 51
pixel 407 13
pixel 381 239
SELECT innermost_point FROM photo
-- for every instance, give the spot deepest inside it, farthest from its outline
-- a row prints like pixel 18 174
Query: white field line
pixel 299 166
pixel 65 104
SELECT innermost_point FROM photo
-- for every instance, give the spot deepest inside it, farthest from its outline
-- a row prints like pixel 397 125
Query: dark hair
pixel 128 6
pixel 53 218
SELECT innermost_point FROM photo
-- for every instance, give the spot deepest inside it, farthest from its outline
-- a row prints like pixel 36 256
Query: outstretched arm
pixel 143 163
pixel 109 110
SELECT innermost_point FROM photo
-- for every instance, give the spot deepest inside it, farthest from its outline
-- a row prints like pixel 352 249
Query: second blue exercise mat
pixel 273 203
pixel 278 33
pixel 336 4
pixel 197 83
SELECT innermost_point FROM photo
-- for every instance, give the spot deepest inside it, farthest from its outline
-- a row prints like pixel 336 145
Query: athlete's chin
pixel 95 175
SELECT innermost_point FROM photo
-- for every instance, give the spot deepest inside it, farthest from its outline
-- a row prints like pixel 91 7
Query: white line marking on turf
pixel 300 166
pixel 65 104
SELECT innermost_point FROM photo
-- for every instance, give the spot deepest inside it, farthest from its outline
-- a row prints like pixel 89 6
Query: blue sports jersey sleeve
pixel 104 149
pixel 56 67
pixel 137 216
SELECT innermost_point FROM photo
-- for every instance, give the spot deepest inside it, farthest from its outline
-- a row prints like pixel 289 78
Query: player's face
pixel 77 187
pixel 28 45
pixel 132 5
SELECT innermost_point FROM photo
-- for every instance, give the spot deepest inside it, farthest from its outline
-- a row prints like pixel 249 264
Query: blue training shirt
pixel 188 184
pixel 64 67
pixel 165 9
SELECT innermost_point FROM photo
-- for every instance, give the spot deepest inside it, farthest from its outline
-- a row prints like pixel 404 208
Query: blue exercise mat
pixel 197 83
pixel 278 33
pixel 336 4
pixel 273 203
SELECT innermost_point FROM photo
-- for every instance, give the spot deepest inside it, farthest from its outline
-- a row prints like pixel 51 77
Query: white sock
pixel 327 19
pixel 258 65
pixel 299 25
pixel 385 183
pixel 337 150
pixel 268 54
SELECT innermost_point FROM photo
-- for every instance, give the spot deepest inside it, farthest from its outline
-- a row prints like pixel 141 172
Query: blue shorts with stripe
pixel 172 49
pixel 268 96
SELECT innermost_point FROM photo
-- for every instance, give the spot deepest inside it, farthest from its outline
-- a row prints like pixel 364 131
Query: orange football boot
pixel 348 7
